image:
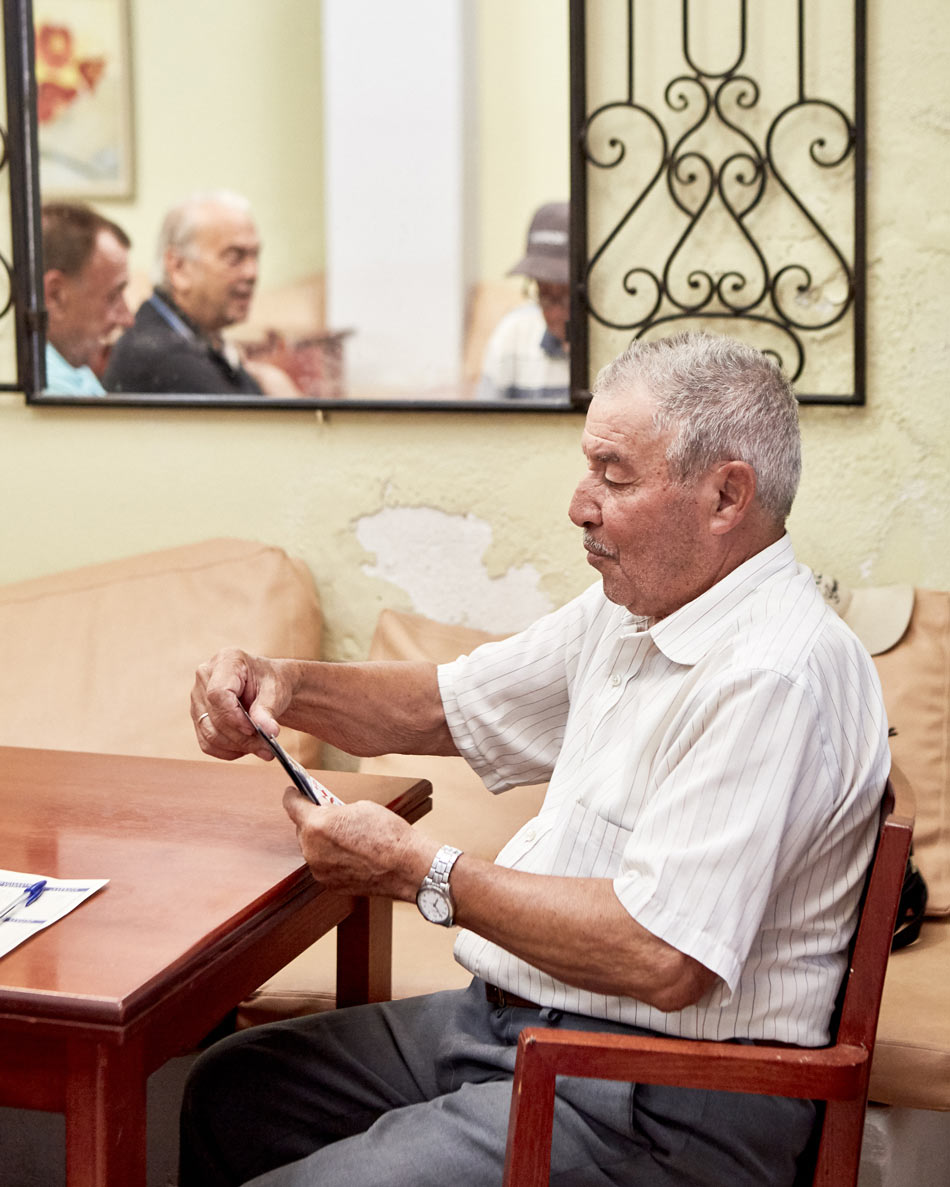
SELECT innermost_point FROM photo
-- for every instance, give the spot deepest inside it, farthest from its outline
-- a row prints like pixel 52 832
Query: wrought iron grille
pixel 718 181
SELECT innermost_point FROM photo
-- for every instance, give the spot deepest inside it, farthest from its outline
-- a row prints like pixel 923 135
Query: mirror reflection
pixel 355 201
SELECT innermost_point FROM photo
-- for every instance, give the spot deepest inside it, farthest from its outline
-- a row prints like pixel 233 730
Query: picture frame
pixel 84 98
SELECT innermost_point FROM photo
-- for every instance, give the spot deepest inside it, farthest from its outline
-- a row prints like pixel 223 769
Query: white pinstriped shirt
pixel 723 767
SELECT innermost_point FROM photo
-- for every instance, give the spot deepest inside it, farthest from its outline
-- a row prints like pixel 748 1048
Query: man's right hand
pixel 230 679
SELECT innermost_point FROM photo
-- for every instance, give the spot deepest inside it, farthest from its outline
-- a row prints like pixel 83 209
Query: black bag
pixel 910 910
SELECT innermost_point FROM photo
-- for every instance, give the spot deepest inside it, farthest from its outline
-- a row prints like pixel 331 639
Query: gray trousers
pixel 415 1093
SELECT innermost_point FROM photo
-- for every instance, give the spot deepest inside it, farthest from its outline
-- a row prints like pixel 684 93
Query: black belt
pixel 504 999
pixel 501 997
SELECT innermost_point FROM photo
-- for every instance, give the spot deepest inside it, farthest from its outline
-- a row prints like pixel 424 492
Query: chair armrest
pixel 826 1073
pixel 823 1073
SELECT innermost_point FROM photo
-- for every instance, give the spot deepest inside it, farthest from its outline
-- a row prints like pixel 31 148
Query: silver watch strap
pixel 442 864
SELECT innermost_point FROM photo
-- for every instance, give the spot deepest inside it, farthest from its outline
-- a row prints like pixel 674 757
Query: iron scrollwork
pixel 727 195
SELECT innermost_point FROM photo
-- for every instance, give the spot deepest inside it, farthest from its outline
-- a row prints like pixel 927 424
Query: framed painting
pixel 84 98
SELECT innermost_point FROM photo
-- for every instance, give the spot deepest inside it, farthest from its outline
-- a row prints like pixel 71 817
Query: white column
pixel 395 87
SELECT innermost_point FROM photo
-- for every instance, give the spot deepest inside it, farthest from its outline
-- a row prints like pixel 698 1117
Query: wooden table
pixel 208 897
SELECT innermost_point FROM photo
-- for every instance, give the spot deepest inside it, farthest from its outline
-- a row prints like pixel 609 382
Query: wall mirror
pixel 714 154
pixel 393 156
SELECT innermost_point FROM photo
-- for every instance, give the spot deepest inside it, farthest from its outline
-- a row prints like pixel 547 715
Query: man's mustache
pixel 594 546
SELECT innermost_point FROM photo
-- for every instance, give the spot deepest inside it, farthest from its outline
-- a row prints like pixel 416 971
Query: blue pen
pixel 30 895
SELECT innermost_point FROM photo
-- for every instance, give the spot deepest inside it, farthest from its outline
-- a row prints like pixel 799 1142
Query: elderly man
pixel 85 274
pixel 716 747
pixel 206 264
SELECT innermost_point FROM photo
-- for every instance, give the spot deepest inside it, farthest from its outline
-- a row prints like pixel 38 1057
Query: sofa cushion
pixel 911 1065
pixel 915 675
pixel 103 658
pixel 464 813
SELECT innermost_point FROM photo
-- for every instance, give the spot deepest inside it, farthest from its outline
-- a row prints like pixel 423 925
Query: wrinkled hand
pixel 360 848
pixel 230 679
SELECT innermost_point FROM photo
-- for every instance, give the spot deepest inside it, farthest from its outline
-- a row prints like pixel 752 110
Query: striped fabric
pixel 523 360
pixel 724 767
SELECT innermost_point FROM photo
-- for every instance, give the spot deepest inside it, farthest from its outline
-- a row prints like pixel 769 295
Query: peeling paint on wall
pixel 437 559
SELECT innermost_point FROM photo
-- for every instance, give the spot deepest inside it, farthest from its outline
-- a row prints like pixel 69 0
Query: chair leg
pixel 531 1120
pixel 840 1150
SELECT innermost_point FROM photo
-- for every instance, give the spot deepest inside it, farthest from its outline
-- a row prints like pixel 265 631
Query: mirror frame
pixel 26 273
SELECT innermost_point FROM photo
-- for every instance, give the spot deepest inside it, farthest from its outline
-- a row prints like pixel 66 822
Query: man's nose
pixel 584 507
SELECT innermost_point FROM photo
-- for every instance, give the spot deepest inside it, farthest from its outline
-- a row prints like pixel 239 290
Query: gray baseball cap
pixel 546 252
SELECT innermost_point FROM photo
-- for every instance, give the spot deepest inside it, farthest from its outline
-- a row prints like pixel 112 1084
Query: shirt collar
pixel 183 325
pixel 552 345
pixel 691 632
pixel 161 301
pixel 169 312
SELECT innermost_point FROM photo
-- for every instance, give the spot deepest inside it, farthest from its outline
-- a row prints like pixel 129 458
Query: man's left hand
pixel 360 848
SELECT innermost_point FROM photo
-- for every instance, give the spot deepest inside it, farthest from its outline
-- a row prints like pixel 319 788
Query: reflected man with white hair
pixel 205 274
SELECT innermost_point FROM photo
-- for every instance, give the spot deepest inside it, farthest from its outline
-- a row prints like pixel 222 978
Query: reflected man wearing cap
pixel 527 355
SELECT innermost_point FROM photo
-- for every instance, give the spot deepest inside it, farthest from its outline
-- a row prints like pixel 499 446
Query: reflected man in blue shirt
pixel 85 274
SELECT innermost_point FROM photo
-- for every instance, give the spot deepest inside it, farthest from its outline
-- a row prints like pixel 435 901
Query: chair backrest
pixel 860 1004
pixel 837 1074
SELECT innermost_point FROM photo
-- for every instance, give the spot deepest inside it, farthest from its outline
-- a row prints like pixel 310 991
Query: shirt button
pixel 615 679
pixel 530 835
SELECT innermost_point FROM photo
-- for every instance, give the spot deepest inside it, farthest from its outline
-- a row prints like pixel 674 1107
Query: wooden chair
pixel 837 1074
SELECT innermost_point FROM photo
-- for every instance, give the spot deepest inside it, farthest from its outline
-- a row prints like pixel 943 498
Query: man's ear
pixel 174 269
pixel 55 285
pixel 733 492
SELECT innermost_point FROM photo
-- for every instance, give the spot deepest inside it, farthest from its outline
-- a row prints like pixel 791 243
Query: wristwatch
pixel 434 897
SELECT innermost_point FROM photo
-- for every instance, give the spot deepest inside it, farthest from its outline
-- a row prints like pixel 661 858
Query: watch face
pixel 434 904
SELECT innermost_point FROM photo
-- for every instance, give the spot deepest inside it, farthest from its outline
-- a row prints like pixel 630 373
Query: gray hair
pixel 183 221
pixel 722 401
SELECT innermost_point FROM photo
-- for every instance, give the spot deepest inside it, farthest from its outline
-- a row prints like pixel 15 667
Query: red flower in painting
pixel 60 74
pixel 51 100
pixel 54 45
pixel 92 70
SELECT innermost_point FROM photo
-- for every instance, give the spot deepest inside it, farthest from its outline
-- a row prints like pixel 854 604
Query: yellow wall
pixel 523 120
pixel 84 486
pixel 227 94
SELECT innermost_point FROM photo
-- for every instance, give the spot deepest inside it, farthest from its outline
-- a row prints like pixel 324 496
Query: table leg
pixel 105 1115
pixel 364 947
